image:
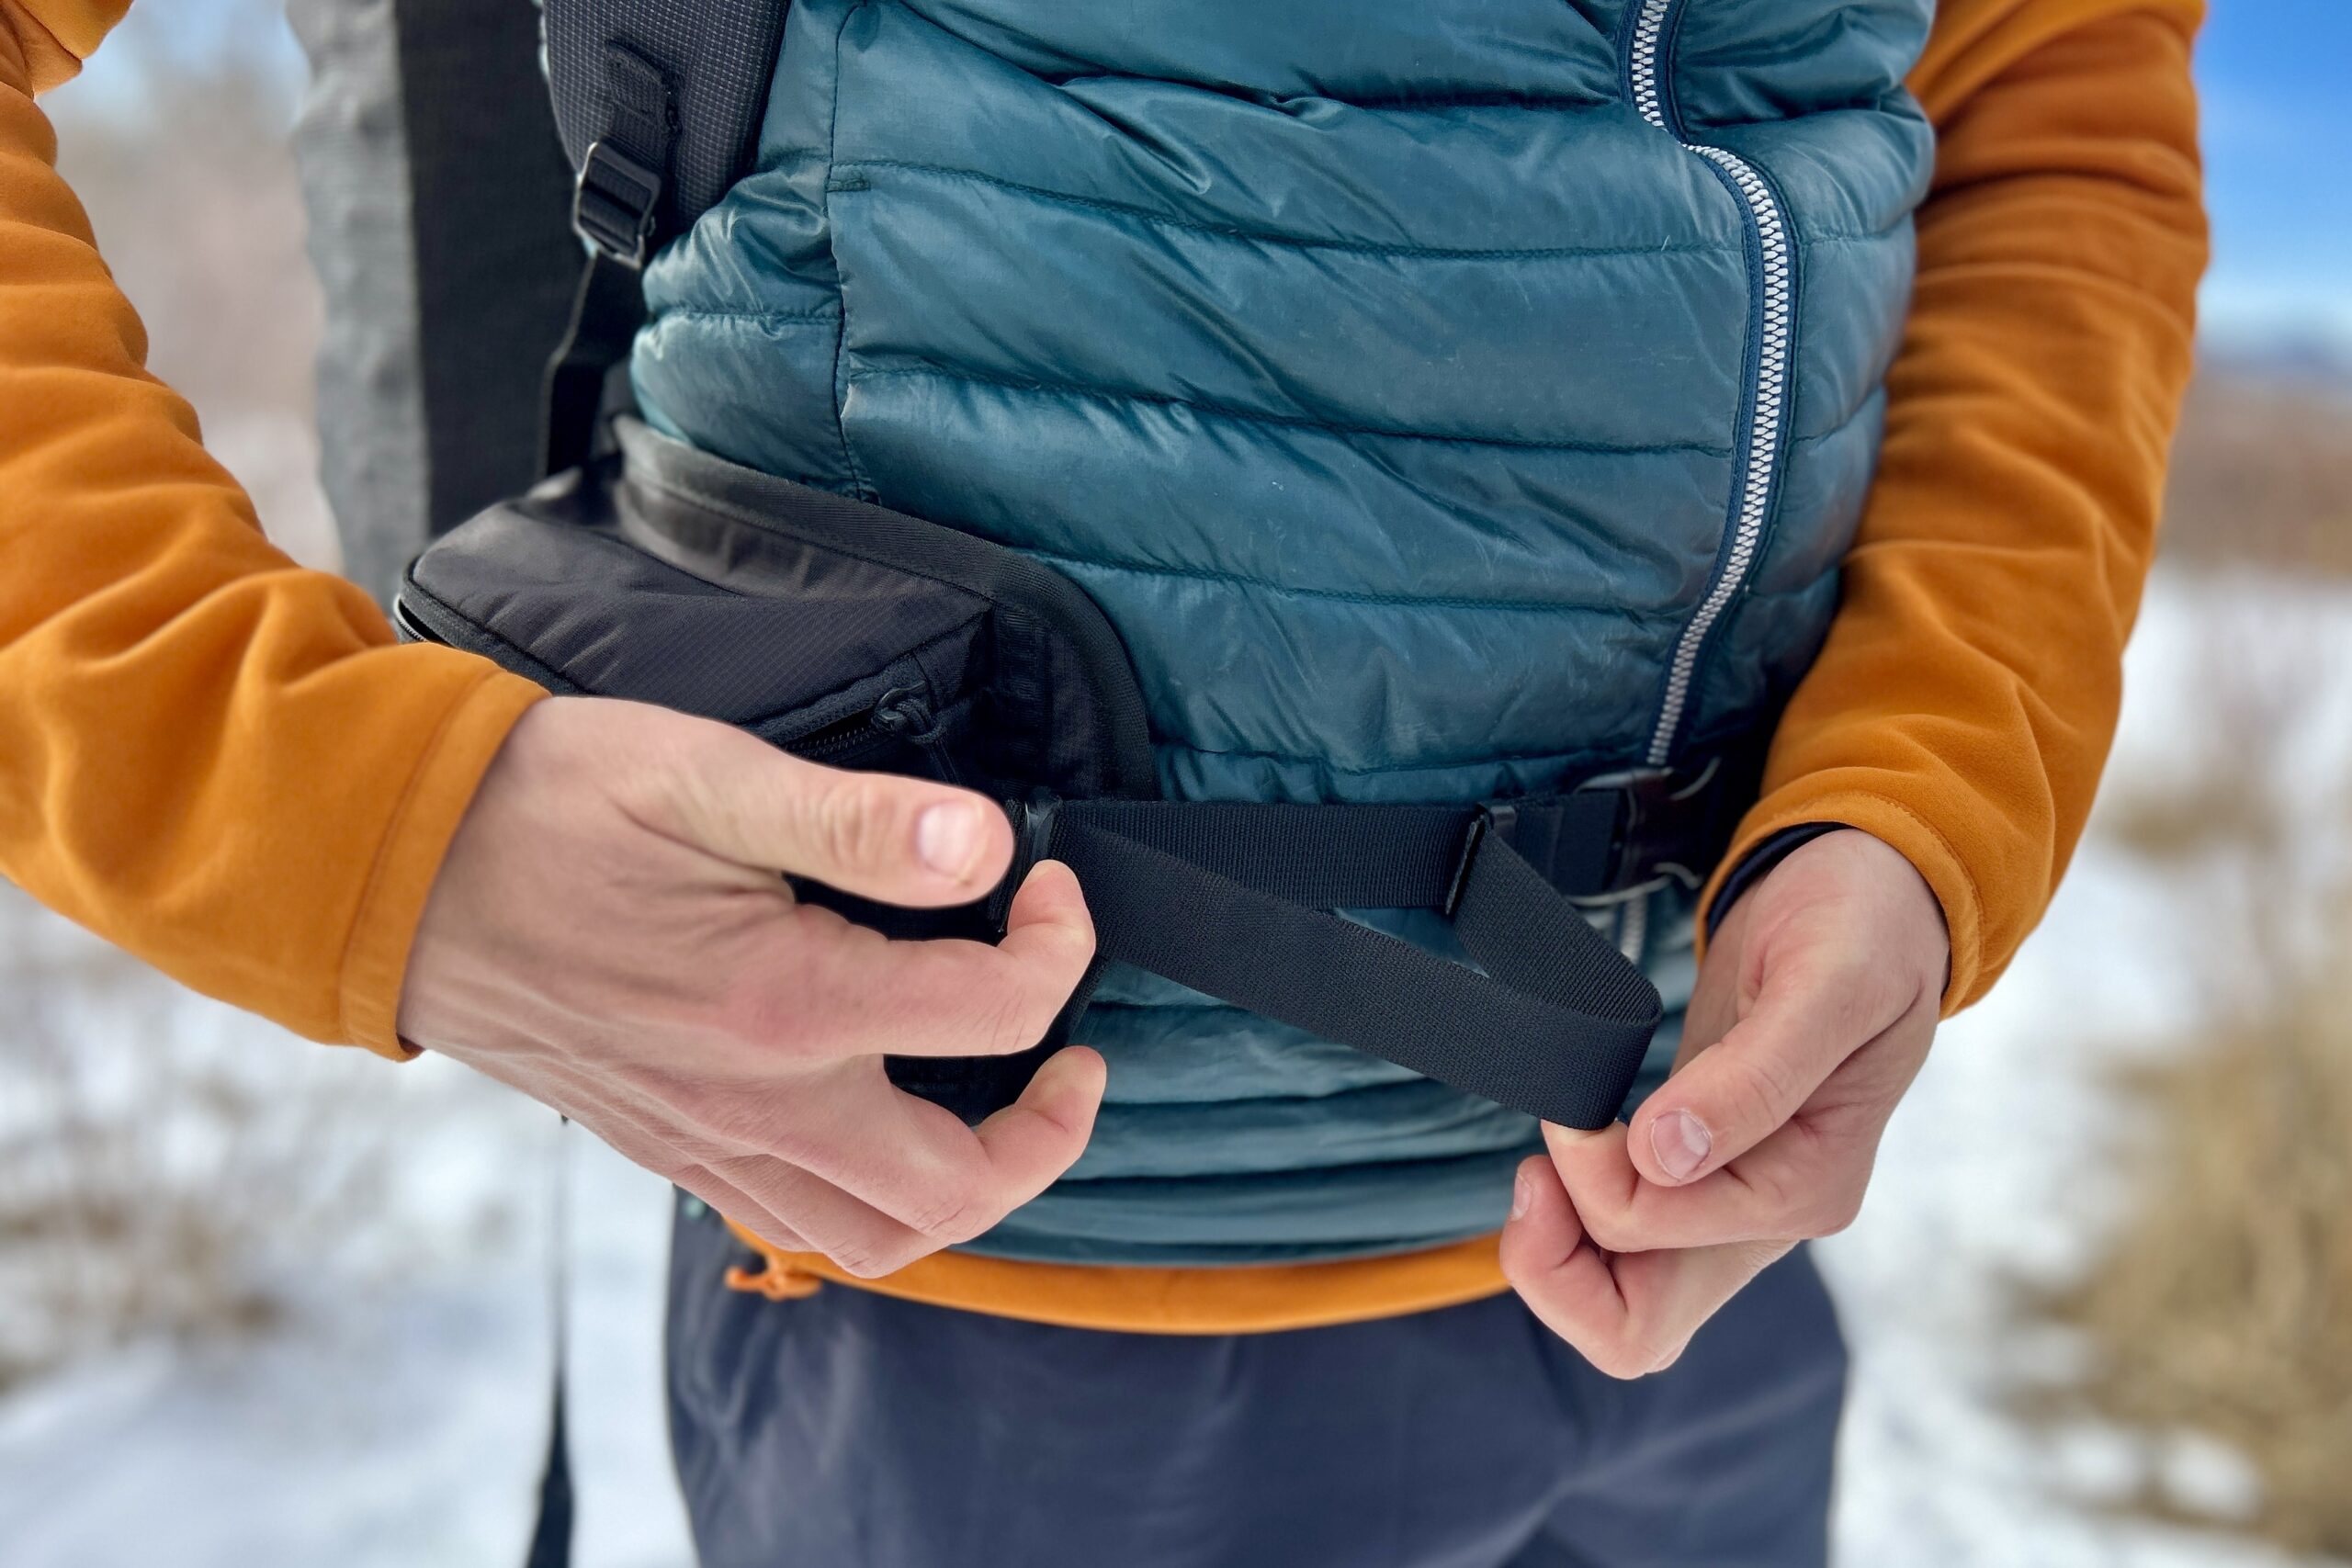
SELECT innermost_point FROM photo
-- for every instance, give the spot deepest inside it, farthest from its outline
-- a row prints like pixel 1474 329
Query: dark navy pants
pixel 849 1430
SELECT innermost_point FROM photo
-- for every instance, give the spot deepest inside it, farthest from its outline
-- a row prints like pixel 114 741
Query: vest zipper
pixel 1774 319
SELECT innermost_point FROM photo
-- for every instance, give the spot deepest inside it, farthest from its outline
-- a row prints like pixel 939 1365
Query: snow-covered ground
pixel 1993 1169
pixel 395 1418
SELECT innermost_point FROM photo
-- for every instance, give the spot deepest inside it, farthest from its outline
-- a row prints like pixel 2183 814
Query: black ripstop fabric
pixel 865 638
pixel 717 56
pixel 492 248
pixel 666 576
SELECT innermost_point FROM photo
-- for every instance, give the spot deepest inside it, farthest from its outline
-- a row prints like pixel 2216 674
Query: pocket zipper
pixel 902 716
pixel 404 621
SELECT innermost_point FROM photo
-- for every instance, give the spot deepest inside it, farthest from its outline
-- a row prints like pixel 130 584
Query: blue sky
pixel 2276 76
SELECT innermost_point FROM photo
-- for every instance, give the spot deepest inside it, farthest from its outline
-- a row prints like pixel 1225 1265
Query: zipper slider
pixel 405 622
pixel 902 712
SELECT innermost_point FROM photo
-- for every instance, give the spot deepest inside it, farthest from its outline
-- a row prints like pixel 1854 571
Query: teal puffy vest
pixel 1445 399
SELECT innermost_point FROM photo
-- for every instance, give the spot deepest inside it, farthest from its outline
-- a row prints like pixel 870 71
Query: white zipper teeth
pixel 1649 32
pixel 1771 381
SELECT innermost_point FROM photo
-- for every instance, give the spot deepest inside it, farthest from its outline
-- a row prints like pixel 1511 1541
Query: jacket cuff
pixel 1821 807
pixel 409 858
pixel 1758 865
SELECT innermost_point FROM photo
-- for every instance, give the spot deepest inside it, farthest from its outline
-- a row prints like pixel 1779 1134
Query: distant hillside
pixel 2262 472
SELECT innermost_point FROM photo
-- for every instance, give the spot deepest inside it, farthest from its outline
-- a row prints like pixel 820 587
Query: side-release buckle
pixel 1661 828
pixel 614 203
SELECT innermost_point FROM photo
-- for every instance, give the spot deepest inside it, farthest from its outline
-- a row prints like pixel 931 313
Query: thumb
pixel 1731 1096
pixel 898 841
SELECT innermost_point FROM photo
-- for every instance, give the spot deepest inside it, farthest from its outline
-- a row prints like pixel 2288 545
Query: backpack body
pixel 1441 404
pixel 1446 402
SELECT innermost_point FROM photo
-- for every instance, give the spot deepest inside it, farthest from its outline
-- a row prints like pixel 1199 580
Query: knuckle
pixel 871 1259
pixel 860 1261
pixel 753 1012
pixel 955 1215
pixel 1015 1019
pixel 1754 1093
pixel 1516 1273
pixel 1072 944
pixel 1521 1270
pixel 1622 1357
pixel 1775 1198
pixel 1834 1214
pixel 733 1123
pixel 1610 1226
pixel 853 824
pixel 1649 1347
pixel 700 1141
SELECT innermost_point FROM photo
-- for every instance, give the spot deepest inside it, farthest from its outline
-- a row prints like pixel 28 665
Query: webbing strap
pixel 604 317
pixel 1370 857
pixel 552 1518
pixel 616 203
pixel 1229 898
pixel 615 206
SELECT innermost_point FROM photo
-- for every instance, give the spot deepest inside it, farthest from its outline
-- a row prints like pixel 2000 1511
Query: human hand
pixel 609 934
pixel 1813 1013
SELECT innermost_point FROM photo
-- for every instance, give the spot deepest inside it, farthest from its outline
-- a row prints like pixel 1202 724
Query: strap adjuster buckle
pixel 614 203
pixel 1497 818
pixel 1032 841
pixel 1647 833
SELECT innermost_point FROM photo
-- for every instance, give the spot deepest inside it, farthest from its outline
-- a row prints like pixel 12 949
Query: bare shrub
pixel 165 1169
pixel 2262 472
pixel 2222 1304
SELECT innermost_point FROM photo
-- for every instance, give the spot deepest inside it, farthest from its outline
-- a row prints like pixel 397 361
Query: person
pixel 1443 401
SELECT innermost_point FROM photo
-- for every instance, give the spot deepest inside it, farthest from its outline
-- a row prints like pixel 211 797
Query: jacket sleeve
pixel 209 756
pixel 1962 705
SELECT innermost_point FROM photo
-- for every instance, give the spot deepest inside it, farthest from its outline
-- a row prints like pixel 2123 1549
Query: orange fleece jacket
pixel 223 763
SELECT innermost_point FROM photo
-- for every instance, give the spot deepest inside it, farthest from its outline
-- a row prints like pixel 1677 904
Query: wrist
pixel 1760 860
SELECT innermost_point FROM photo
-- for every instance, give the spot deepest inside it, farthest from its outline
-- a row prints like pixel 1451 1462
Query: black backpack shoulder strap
pixel 712 58
pixel 658 103
pixel 439 214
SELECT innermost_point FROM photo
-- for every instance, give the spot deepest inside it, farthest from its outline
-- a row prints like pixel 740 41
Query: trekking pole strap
pixel 1232 898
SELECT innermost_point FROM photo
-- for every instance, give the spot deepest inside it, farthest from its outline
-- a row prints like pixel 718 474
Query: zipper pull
pixel 903 711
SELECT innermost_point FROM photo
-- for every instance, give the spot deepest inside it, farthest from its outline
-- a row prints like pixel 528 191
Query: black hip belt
pixel 859 637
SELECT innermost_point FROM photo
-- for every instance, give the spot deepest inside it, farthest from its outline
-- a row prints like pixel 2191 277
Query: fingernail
pixel 1680 1141
pixel 948 837
pixel 1522 1193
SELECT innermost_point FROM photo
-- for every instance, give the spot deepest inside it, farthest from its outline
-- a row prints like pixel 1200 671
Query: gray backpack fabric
pixel 716 56
pixel 441 197
pixel 439 207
